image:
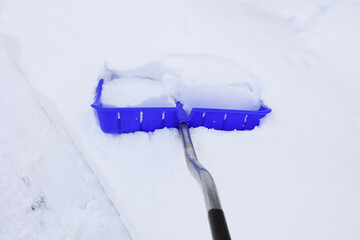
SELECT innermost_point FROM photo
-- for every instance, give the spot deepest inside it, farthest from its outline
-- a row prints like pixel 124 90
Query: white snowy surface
pixel 47 189
pixel 294 177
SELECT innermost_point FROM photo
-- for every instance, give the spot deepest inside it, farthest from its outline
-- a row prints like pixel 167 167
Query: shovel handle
pixel 216 215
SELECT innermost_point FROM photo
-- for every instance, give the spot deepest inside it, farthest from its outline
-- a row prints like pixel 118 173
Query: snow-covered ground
pixel 294 177
pixel 47 189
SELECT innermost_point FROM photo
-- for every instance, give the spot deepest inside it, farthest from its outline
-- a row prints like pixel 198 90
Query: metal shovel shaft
pixel 216 215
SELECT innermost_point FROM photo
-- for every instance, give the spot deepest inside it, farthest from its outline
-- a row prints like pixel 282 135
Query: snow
pixel 204 81
pixel 203 96
pixel 135 92
pixel 48 190
pixel 194 80
pixel 294 177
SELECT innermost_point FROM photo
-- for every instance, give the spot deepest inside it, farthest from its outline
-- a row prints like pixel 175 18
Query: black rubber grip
pixel 219 228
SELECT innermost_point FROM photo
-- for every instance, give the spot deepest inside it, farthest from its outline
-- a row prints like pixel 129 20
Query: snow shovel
pixel 147 119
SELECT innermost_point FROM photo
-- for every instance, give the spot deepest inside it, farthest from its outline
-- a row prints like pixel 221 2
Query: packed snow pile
pixel 135 92
pixel 195 81
pixel 218 96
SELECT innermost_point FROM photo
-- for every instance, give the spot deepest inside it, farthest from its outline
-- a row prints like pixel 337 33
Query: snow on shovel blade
pixel 116 120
